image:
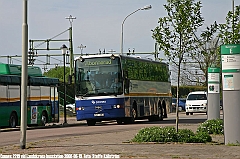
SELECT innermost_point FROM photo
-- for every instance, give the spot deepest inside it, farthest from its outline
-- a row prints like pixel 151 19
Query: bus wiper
pixel 102 93
pixel 85 93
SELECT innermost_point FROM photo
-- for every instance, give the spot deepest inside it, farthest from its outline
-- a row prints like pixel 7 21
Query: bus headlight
pixel 80 108
pixel 117 106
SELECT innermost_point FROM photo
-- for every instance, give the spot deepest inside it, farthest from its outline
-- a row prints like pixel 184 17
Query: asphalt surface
pixel 117 145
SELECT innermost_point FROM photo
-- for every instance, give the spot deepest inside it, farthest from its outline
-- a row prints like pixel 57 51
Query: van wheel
pixel 13 120
pixel 187 113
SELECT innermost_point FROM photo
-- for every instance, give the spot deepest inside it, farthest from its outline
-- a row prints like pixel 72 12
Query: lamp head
pixel 146 7
pixel 64 49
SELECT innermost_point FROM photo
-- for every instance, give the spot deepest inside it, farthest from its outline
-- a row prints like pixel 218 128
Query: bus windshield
pixel 98 76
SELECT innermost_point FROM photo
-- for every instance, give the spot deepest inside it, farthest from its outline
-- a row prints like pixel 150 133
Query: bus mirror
pixel 112 57
pixel 81 59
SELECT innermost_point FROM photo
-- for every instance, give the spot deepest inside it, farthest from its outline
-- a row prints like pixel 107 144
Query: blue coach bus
pixel 121 88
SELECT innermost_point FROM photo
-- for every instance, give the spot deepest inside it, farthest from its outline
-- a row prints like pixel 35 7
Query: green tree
pixel 230 31
pixel 206 50
pixel 58 72
pixel 174 35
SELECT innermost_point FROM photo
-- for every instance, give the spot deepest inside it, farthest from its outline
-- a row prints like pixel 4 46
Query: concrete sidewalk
pixel 117 144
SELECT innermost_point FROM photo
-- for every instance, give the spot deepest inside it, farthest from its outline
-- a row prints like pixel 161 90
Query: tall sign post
pixel 230 55
pixel 213 107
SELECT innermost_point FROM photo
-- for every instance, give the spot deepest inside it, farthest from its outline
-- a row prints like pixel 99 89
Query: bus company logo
pixel 99 102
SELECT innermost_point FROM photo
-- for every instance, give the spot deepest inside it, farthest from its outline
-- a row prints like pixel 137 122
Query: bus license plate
pixel 98 114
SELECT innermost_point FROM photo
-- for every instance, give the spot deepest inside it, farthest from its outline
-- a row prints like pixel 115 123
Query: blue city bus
pixel 144 90
pixel 42 96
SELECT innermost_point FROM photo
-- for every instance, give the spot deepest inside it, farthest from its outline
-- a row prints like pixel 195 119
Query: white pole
pixel 24 77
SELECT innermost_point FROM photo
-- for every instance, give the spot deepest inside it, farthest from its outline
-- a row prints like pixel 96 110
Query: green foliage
pixel 214 126
pixel 229 32
pixel 174 32
pixel 184 90
pixel 169 134
pixel 58 72
pixel 175 36
pixel 201 137
pixel 156 134
pixel 185 135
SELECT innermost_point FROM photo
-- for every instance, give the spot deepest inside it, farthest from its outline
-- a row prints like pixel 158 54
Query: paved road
pixel 76 128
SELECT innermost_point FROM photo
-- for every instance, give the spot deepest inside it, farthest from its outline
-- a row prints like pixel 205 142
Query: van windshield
pixel 197 97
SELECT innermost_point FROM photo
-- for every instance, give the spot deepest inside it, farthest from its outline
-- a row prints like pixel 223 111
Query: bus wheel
pixel 44 118
pixel 13 120
pixel 91 122
pixel 160 114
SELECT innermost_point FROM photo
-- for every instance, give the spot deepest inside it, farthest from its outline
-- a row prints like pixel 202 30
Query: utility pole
pixel 71 18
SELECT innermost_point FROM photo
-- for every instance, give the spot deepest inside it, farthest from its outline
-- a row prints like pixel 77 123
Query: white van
pixel 196 102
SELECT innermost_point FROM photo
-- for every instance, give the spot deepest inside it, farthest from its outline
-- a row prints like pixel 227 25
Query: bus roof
pixel 11 69
pixel 33 81
pixel 117 55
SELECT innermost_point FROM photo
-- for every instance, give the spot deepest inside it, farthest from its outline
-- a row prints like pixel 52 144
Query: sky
pixel 97 25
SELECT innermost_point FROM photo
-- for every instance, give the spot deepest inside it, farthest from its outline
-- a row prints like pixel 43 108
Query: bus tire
pixel 44 118
pixel 13 120
pixel 91 122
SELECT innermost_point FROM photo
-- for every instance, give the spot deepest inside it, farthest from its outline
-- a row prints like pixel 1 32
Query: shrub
pixel 169 134
pixel 156 134
pixel 185 135
pixel 201 137
pixel 214 126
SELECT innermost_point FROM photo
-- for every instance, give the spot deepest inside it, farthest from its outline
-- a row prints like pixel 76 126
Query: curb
pixel 60 125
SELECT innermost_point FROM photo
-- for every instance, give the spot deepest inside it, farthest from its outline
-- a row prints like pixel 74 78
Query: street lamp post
pixel 64 50
pixel 144 8
pixel 23 126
